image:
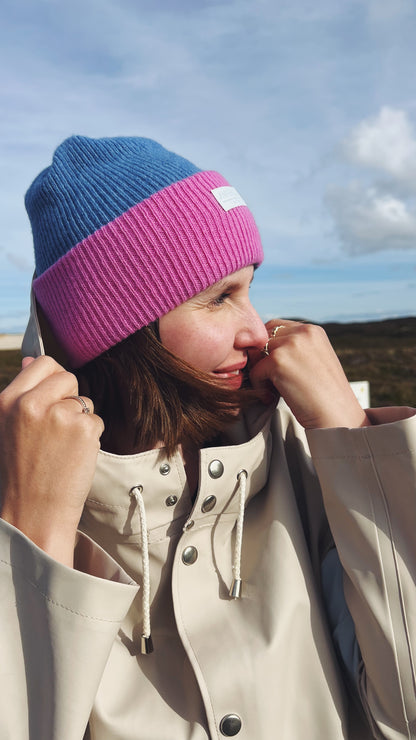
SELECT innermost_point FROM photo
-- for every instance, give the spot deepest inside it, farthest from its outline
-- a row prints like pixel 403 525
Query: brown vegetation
pixel 10 363
pixel 382 352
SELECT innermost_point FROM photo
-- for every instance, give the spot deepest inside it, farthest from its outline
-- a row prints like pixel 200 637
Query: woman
pixel 182 581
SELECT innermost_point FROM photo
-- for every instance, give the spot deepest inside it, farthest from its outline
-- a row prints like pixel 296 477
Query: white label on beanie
pixel 228 197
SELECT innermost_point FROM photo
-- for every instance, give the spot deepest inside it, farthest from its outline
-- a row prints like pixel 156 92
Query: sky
pixel 308 108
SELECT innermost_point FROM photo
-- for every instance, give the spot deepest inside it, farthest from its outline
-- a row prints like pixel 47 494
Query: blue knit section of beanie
pixel 89 183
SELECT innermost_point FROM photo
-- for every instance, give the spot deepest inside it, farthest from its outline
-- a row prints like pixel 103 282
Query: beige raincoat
pixel 286 660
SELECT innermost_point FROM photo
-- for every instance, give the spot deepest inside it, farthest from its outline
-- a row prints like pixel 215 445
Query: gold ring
pixel 276 329
pixel 265 349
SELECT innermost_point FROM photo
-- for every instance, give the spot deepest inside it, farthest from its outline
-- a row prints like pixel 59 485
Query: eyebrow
pixel 227 283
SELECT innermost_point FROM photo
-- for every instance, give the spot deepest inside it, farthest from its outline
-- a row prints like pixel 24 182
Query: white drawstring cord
pixel 146 638
pixel 235 590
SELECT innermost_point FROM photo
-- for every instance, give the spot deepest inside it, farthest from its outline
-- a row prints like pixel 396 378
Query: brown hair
pixel 138 384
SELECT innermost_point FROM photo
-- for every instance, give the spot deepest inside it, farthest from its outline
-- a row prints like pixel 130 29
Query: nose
pixel 252 333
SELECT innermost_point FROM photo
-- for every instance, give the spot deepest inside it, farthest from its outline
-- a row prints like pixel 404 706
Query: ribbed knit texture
pixel 90 183
pixel 143 259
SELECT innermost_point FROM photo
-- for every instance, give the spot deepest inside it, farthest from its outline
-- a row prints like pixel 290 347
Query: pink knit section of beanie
pixel 152 258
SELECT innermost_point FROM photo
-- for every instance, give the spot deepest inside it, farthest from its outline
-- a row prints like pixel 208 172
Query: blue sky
pixel 307 108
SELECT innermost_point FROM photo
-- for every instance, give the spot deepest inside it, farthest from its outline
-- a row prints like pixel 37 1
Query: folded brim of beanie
pixel 145 262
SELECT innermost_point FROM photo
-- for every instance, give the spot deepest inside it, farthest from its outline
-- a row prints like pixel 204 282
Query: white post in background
pixel 361 389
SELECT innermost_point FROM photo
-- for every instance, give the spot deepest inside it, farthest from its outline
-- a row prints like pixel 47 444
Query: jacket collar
pixel 166 495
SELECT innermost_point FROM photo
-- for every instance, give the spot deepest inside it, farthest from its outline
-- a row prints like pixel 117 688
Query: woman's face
pixel 214 330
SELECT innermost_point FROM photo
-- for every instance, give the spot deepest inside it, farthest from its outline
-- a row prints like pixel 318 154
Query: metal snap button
pixel 208 504
pixel 164 469
pixel 215 469
pixel 189 555
pixel 230 725
pixel 171 500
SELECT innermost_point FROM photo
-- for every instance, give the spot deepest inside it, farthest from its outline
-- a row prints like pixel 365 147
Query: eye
pixel 220 299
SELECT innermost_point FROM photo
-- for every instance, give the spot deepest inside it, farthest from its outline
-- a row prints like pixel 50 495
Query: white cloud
pixel 370 221
pixel 258 90
pixel 386 143
pixel 377 211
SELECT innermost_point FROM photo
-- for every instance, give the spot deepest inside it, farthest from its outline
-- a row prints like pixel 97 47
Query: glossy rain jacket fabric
pixel 292 658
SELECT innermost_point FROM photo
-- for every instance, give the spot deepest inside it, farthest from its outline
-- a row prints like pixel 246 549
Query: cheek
pixel 202 347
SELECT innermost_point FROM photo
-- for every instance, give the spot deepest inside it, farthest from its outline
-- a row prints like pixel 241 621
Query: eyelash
pixel 219 300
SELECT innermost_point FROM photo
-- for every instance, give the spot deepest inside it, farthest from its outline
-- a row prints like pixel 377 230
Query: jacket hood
pixel 32 344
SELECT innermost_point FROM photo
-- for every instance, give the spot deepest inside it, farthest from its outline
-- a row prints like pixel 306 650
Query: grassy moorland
pixel 382 352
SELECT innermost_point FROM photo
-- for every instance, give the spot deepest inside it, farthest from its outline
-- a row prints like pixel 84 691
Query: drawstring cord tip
pixel 146 645
pixel 235 590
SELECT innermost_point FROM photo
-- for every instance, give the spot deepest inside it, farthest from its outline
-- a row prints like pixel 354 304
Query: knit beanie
pixel 124 231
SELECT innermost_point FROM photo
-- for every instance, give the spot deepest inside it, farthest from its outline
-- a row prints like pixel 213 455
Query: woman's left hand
pixel 305 370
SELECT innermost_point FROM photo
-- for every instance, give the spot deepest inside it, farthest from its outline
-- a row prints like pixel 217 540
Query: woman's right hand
pixel 48 453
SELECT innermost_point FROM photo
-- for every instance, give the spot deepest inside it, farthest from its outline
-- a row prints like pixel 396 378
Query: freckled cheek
pixel 203 348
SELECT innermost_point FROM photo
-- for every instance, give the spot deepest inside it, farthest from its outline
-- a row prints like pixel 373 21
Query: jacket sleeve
pixel 368 480
pixel 58 626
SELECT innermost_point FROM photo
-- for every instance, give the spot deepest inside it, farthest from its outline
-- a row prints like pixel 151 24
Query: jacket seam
pixel 371 456
pixel 196 528
pixel 52 601
pixel 399 588
pixel 191 649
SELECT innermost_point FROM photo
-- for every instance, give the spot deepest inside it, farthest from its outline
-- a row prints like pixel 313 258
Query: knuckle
pixel 311 331
pixel 67 383
pixel 71 378
pixel 90 433
pixel 48 363
pixel 59 415
pixel 319 334
pixel 306 328
pixel 270 323
pixel 27 406
pixel 319 330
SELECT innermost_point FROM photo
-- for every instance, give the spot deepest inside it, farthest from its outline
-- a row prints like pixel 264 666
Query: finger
pixel 272 326
pixel 27 361
pixel 74 406
pixel 86 404
pixel 284 323
pixel 265 366
pixel 34 384
pixel 273 330
pixel 260 373
pixel 34 372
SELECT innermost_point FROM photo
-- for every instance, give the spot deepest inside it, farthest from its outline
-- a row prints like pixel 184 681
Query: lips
pixel 232 376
